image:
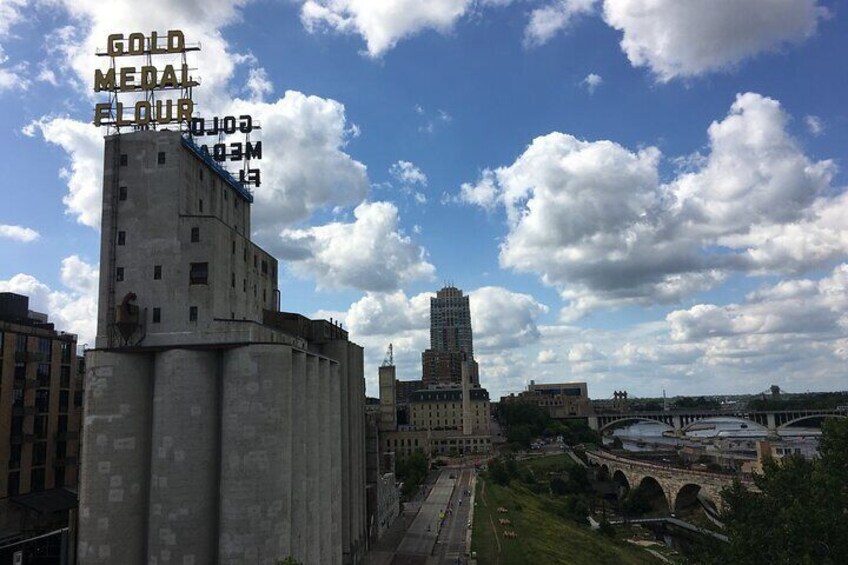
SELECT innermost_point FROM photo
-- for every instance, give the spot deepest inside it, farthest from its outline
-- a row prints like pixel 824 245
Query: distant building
pixel 561 400
pixel 451 341
pixel 221 430
pixel 446 412
pixel 442 409
pixel 440 420
pixel 40 420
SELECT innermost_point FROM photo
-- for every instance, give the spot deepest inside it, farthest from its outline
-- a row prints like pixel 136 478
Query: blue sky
pixel 641 194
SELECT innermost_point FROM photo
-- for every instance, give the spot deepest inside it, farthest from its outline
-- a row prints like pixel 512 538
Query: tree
pixel 799 515
pixel 498 472
pixel 412 471
pixel 558 486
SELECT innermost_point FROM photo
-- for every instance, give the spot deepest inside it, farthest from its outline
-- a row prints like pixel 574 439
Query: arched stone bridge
pixel 679 420
pixel 680 487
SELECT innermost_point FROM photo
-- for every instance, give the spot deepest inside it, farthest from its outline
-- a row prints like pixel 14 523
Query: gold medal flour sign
pixel 161 95
pixel 146 79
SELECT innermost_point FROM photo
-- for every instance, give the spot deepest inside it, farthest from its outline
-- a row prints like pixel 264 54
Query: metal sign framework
pixel 150 46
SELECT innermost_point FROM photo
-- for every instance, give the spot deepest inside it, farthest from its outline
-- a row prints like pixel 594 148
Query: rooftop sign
pixel 142 85
pixel 146 79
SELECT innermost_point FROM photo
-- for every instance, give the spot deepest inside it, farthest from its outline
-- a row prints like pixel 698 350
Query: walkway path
pixel 420 538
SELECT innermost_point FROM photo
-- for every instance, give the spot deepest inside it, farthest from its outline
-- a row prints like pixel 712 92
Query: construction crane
pixel 389 359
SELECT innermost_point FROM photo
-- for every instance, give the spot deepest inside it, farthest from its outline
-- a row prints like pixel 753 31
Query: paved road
pixel 421 536
pixel 451 542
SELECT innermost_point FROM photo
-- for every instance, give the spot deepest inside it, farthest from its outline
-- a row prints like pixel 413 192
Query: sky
pixel 645 195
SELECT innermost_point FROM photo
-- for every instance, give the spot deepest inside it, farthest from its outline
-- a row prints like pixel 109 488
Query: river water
pixel 723 432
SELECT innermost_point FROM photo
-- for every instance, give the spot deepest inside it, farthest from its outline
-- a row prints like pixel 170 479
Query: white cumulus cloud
pixel 814 124
pixel 553 18
pixel 593 219
pixel 18 233
pixel 407 173
pixel 682 39
pixel 83 144
pixel 546 356
pixel 382 24
pixel 369 253
pixel 592 82
pixel 503 319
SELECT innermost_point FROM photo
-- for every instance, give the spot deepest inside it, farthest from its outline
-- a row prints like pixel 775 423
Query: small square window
pixel 195 235
pixel 122 238
pixel 157 315
pixel 119 274
pixel 124 159
pixel 161 158
pixel 199 273
pixel 122 193
pixel 157 272
pixel 192 314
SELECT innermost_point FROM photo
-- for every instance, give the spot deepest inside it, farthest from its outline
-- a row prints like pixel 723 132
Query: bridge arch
pixel 619 477
pixel 748 423
pixel 604 473
pixel 615 423
pixel 810 417
pixel 686 498
pixel 656 493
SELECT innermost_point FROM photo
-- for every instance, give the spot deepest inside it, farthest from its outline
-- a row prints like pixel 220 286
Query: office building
pixel 561 400
pixel 220 430
pixel 451 342
pixel 40 419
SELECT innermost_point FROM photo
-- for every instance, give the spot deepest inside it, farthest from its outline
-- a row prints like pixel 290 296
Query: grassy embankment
pixel 544 536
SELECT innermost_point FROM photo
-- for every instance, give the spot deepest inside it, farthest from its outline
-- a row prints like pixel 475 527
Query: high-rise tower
pixel 451 340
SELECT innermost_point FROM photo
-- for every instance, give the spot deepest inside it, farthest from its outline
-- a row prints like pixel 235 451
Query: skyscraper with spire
pixel 451 340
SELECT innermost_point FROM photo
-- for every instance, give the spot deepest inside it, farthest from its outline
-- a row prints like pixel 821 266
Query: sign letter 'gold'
pixel 137 44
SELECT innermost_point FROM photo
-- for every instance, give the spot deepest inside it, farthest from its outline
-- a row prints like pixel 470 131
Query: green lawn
pixel 543 536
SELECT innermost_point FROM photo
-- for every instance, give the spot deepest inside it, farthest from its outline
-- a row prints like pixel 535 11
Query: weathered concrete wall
pixel 311 425
pixel 300 503
pixel 334 422
pixel 115 458
pixel 338 350
pixel 255 465
pixel 183 515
